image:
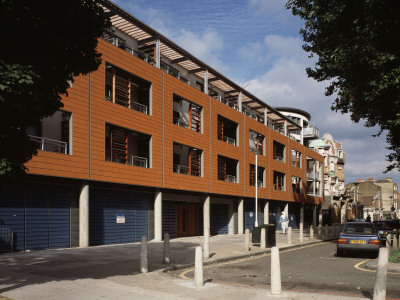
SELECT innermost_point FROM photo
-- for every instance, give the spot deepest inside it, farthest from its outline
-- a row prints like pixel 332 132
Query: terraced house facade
pixel 157 141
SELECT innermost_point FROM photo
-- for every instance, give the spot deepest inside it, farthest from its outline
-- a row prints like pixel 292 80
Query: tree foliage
pixel 44 44
pixel 358 49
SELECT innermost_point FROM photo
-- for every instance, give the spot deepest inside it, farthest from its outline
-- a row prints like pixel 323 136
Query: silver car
pixel 358 237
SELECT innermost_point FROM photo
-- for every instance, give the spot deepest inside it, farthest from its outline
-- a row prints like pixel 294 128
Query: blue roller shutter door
pixel 12 215
pixel 104 207
pixel 169 218
pixel 218 219
pixel 59 218
pixel 249 215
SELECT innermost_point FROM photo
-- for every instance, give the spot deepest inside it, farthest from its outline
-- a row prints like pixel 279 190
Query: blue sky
pixel 256 43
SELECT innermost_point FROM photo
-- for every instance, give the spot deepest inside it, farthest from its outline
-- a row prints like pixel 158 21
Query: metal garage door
pixel 169 219
pixel 218 219
pixel 39 215
pixel 106 205
pixel 249 215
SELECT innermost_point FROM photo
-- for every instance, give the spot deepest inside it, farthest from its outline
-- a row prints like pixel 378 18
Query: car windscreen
pixel 359 228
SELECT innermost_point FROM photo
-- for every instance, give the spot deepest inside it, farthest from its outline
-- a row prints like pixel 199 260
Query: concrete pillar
pixel 158 54
pixel 206 82
pixel 158 216
pixel 240 216
pixel 311 232
pixel 286 209
pixel 266 212
pixel 198 268
pixel 285 127
pixel 276 284
pixel 301 223
pixel 143 256
pixel 265 117
pixel 314 216
pixel 381 274
pixel 206 212
pixel 289 236
pixel 206 253
pixel 231 220
pixel 84 217
pixel 240 101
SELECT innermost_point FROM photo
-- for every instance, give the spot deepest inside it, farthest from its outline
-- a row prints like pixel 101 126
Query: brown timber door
pixel 187 220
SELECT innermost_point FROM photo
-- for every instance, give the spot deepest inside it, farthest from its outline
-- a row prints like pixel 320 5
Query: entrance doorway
pixel 187 220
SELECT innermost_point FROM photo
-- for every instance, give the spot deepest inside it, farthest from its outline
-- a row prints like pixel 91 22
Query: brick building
pixel 157 141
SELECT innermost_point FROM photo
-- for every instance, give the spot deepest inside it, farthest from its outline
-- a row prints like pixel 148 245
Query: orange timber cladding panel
pixel 77 166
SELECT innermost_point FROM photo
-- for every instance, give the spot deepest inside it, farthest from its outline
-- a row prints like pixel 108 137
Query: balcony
pixel 137 161
pixel 310 132
pixel 139 107
pixel 46 144
pixel 181 123
pixel 230 178
pixel 181 169
pixel 227 102
pixel 173 72
pixel 229 140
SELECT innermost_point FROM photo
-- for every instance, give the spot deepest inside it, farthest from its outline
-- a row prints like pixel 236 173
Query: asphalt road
pixel 312 268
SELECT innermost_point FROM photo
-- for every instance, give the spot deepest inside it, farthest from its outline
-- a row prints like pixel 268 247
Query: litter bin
pixel 270 237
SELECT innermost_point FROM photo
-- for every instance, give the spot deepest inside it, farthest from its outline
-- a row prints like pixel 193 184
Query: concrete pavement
pixel 112 272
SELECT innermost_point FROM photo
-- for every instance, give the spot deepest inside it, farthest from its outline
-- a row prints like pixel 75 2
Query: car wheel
pixel 339 253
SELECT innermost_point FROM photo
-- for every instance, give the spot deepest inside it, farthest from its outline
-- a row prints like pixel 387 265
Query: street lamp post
pixel 356 184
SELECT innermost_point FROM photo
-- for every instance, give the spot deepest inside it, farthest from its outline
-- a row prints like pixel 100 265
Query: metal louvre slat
pixel 218 219
pixel 169 218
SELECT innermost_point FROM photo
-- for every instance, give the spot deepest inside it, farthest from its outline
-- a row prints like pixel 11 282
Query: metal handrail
pixel 51 145
pixel 181 169
pixel 231 178
pixel 229 140
pixel 181 123
pixel 172 71
pixel 137 161
pixel 139 107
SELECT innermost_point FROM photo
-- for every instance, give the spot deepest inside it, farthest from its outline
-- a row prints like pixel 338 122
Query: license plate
pixel 358 242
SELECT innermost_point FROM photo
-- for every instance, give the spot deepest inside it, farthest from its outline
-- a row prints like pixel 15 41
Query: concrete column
pixel 206 212
pixel 143 256
pixel 311 232
pixel 285 127
pixel 231 220
pixel 84 217
pixel 206 82
pixel 240 216
pixel 240 101
pixel 301 223
pixel 247 241
pixel 206 251
pixel 265 117
pixel 286 209
pixel 158 54
pixel 314 216
pixel 266 212
pixel 158 216
pixel 289 236
pixel 262 238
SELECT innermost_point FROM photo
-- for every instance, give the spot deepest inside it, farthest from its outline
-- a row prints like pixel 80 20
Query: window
pixel 53 134
pixel 260 175
pixel 199 86
pixel 256 142
pixel 227 131
pixel 127 89
pixel 227 169
pixel 187 160
pixel 279 181
pixel 296 158
pixel 296 184
pixel 127 147
pixel 279 151
pixel 187 114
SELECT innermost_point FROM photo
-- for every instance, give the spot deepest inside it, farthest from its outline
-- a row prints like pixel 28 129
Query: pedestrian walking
pixel 283 221
pixel 271 218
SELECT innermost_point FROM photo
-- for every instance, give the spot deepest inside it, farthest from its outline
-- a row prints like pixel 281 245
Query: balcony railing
pixel 137 161
pixel 228 102
pixel 174 72
pixel 229 140
pixel 139 107
pixel 181 123
pixel 279 158
pixel 181 169
pixel 230 178
pixel 50 145
pixel 279 188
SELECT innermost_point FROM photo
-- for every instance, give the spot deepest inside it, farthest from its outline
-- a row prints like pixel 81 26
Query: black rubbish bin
pixel 270 237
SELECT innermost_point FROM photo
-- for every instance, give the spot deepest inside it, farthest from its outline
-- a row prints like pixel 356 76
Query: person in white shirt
pixel 283 220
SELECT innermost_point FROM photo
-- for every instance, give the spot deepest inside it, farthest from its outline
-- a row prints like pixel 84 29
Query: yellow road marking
pixel 183 274
pixel 357 266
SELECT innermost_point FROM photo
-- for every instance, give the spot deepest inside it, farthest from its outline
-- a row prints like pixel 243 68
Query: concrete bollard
pixel 143 256
pixel 247 240
pixel 166 250
pixel 389 241
pixel 206 251
pixel 198 268
pixel 276 284
pixel 301 232
pixel 289 236
pixel 327 231
pixel 262 239
pixel 311 232
pixel 395 241
pixel 381 274
pixel 319 231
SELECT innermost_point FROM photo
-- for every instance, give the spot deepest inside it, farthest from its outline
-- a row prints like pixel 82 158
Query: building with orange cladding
pixel 156 141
